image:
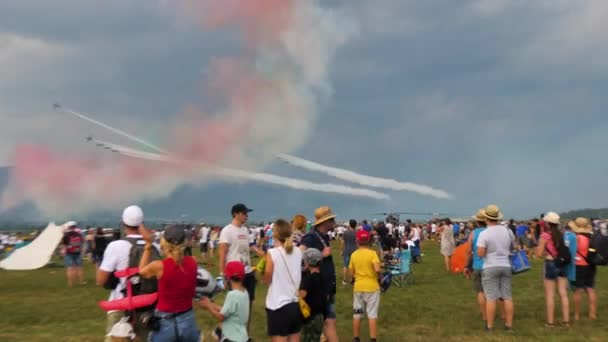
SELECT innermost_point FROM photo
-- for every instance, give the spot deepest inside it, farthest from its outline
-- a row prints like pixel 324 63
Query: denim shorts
pixel 72 260
pixel 552 272
pixel 346 260
pixel 179 328
pixel 330 310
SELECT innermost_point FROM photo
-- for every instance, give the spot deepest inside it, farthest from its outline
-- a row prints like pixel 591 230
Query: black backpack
pixel 597 254
pixel 141 285
pixel 563 257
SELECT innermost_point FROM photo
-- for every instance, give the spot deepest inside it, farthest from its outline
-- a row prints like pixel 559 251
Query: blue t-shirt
pixel 456 228
pixel 316 240
pixel 367 228
pixel 521 231
pixel 477 260
pixel 570 241
pixel 270 241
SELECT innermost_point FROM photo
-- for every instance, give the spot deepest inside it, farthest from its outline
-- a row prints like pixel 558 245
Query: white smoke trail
pixel 108 127
pixel 226 173
pixel 357 178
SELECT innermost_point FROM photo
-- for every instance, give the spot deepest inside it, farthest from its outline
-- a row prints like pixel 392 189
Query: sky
pixel 493 101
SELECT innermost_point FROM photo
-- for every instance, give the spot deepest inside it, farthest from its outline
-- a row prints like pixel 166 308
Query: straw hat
pixel 323 214
pixel 551 217
pixel 480 216
pixel 581 225
pixel 492 212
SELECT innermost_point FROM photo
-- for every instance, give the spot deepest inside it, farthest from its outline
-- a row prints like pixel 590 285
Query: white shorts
pixel 366 302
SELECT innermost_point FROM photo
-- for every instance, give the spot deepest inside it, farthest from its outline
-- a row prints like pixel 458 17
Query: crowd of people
pixel 296 263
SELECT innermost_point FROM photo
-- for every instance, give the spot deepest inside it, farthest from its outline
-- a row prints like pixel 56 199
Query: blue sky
pixel 494 101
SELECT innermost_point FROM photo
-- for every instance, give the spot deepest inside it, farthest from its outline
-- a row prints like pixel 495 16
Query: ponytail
pixel 174 251
pixel 282 232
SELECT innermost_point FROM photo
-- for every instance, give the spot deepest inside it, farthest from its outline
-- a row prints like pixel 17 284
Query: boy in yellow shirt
pixel 365 266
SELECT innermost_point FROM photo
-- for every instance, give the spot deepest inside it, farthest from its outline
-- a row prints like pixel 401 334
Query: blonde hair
pixel 299 222
pixel 175 251
pixel 282 231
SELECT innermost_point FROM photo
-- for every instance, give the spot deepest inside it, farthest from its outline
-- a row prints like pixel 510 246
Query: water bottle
pixel 220 282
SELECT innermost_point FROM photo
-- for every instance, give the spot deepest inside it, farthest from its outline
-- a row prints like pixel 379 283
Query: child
pixel 235 312
pixel 365 267
pixel 312 290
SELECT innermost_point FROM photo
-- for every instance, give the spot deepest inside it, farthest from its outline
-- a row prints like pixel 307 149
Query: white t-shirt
pixel 415 234
pixel 434 228
pixel 401 229
pixel 497 241
pixel 340 230
pixel 389 226
pixel 237 240
pixel 204 234
pixel 282 290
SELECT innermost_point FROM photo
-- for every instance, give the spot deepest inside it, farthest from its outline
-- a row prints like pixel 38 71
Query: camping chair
pixel 402 273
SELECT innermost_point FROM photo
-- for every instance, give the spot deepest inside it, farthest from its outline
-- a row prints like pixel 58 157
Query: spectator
pixel 347 246
pixel 234 315
pixel 318 239
pixel 550 241
pixel 299 228
pixel 312 291
pixel 365 267
pixel 585 272
pixel 204 242
pixel 494 246
pixel 101 242
pixel 448 244
pixel 176 275
pixel 72 250
pixel 283 273
pixel 235 246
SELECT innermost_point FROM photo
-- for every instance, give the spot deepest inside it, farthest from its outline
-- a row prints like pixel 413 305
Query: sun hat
pixel 363 235
pixel 175 235
pixel 133 216
pixel 581 225
pixel 323 214
pixel 492 212
pixel 551 217
pixel 235 269
pixel 312 256
pixel 480 215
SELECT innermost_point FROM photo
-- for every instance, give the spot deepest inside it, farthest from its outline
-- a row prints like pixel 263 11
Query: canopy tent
pixel 36 254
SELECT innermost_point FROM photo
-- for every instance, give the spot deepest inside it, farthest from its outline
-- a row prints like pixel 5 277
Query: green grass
pixel 37 306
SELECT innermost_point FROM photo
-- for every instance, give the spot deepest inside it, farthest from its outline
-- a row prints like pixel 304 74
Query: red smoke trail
pixel 60 184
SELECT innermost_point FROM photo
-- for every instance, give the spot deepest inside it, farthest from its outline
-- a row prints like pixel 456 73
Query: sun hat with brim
pixel 480 216
pixel 581 225
pixel 492 212
pixel 323 214
pixel 551 217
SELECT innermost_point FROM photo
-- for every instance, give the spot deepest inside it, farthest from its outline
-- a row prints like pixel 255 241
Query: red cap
pixel 362 235
pixel 235 269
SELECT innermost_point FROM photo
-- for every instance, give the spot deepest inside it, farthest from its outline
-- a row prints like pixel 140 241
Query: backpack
pixel 597 254
pixel 75 242
pixel 563 257
pixel 140 285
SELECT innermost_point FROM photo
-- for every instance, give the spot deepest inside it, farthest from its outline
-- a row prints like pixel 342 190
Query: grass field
pixel 37 306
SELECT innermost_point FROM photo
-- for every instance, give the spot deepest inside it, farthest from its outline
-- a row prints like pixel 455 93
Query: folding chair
pixel 402 273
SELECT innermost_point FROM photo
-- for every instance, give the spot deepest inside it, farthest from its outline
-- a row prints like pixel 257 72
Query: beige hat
pixel 551 217
pixel 323 214
pixel 492 212
pixel 581 225
pixel 480 216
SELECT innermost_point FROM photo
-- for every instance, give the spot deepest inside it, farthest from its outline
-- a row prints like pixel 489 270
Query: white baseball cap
pixel 133 216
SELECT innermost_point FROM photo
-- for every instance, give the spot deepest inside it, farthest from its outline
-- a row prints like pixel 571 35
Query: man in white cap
pixel 116 257
pixel 73 243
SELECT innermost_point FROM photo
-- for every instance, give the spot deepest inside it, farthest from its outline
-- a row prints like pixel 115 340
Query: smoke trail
pixel 269 98
pixel 354 177
pixel 241 175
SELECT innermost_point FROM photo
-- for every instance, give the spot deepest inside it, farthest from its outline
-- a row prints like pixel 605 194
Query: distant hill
pixel 588 213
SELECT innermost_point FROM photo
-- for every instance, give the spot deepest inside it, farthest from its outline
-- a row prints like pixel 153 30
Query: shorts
pixel 522 241
pixel 366 302
pixel 285 321
pixel 552 272
pixel 477 284
pixel 250 283
pixel 496 282
pixel 204 246
pixel 585 277
pixel 330 309
pixel 346 260
pixel 72 260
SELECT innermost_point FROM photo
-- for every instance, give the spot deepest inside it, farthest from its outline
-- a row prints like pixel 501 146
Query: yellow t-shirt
pixel 362 262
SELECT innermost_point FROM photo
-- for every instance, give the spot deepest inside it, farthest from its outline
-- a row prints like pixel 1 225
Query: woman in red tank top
pixel 176 276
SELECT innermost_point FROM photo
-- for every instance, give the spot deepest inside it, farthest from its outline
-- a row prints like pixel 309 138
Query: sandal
pixel 565 324
pixel 549 325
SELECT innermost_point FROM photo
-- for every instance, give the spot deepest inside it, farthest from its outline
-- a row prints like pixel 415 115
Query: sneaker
pixel 343 282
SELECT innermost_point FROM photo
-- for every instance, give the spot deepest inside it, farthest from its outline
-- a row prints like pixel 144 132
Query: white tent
pixel 36 254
